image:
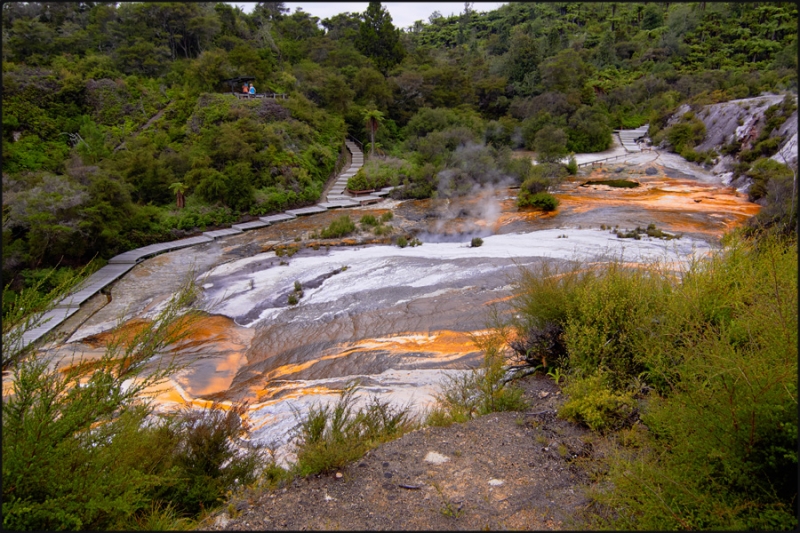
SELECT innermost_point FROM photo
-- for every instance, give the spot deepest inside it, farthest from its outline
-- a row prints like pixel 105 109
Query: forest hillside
pixel 118 131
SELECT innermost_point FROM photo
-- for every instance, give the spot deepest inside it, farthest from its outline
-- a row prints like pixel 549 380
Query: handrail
pixel 601 160
pixel 274 96
pixel 360 145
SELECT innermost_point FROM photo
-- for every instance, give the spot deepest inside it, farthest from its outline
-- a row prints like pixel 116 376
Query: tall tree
pixel 379 39
pixel 373 118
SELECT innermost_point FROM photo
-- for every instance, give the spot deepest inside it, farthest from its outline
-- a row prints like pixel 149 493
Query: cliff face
pixel 741 121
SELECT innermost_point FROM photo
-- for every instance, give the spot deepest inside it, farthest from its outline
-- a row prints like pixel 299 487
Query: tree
pixel 550 144
pixel 373 118
pixel 378 38
pixel 179 189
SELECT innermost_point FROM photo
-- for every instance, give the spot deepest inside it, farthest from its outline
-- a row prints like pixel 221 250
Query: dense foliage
pixel 698 377
pixel 117 131
pixel 81 447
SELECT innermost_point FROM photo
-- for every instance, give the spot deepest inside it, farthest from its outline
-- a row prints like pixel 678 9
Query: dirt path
pixel 501 471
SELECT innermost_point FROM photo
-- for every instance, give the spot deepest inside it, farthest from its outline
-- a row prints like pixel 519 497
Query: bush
pixel 331 437
pixel 475 393
pixel 721 451
pixel 609 326
pixel 368 220
pixel 476 241
pixel 687 133
pixel 593 403
pixel 379 172
pixel 572 166
pixel 91 456
pixel 340 227
pixel 542 200
pixel 402 242
pixel 719 348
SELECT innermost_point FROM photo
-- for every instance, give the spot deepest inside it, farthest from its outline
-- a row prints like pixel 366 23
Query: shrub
pixel 475 393
pixel 379 172
pixel 542 200
pixel 592 402
pixel 402 242
pixel 625 184
pixel 609 325
pixel 572 166
pixel 387 216
pixel 369 220
pixel 90 456
pixel 476 241
pixel 382 230
pixel 687 133
pixel 339 228
pixel 331 437
pixel 721 450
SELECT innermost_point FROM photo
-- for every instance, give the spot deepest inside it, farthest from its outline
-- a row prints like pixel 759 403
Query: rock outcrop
pixel 741 120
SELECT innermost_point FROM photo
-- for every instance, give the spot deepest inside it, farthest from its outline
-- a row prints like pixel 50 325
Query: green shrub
pixel 476 241
pixel 402 242
pixel 609 326
pixel 379 172
pixel 340 227
pixel 476 393
pixel 592 402
pixel 387 216
pixel 331 437
pixel 369 220
pixel 687 133
pixel 542 200
pixel 544 298
pixel 382 230
pixel 572 166
pixel 721 452
pixel 91 457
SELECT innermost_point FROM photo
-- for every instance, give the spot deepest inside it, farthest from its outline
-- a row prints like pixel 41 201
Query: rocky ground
pixel 515 470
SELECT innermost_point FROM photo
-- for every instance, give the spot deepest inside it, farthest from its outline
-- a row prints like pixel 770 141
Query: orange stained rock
pixel 444 342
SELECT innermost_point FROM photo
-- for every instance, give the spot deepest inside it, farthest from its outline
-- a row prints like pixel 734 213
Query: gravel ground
pixel 514 470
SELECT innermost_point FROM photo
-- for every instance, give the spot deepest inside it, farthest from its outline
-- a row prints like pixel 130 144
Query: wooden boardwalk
pixel 120 264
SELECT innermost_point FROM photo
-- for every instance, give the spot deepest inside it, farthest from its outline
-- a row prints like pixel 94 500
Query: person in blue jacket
pixel 252 90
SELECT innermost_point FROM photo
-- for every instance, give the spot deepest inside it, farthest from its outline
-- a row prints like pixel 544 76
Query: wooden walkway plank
pixel 47 323
pixel 94 283
pixel 306 211
pixel 222 233
pixel 277 218
pixel 134 256
pixel 255 224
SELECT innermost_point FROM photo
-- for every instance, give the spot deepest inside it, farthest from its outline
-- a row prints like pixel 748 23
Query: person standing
pixel 244 88
pixel 252 90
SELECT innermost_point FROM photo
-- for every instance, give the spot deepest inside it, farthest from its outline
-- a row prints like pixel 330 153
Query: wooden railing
pixel 274 96
pixel 602 160
pixel 353 139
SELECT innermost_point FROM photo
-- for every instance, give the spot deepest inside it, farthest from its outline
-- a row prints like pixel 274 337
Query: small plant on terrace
pixel 369 220
pixel 339 228
pixel 476 242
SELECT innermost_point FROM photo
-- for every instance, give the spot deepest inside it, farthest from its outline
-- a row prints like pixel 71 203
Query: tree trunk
pixel 180 200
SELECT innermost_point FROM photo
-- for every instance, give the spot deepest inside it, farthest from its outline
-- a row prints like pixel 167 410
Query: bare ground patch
pixel 513 470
